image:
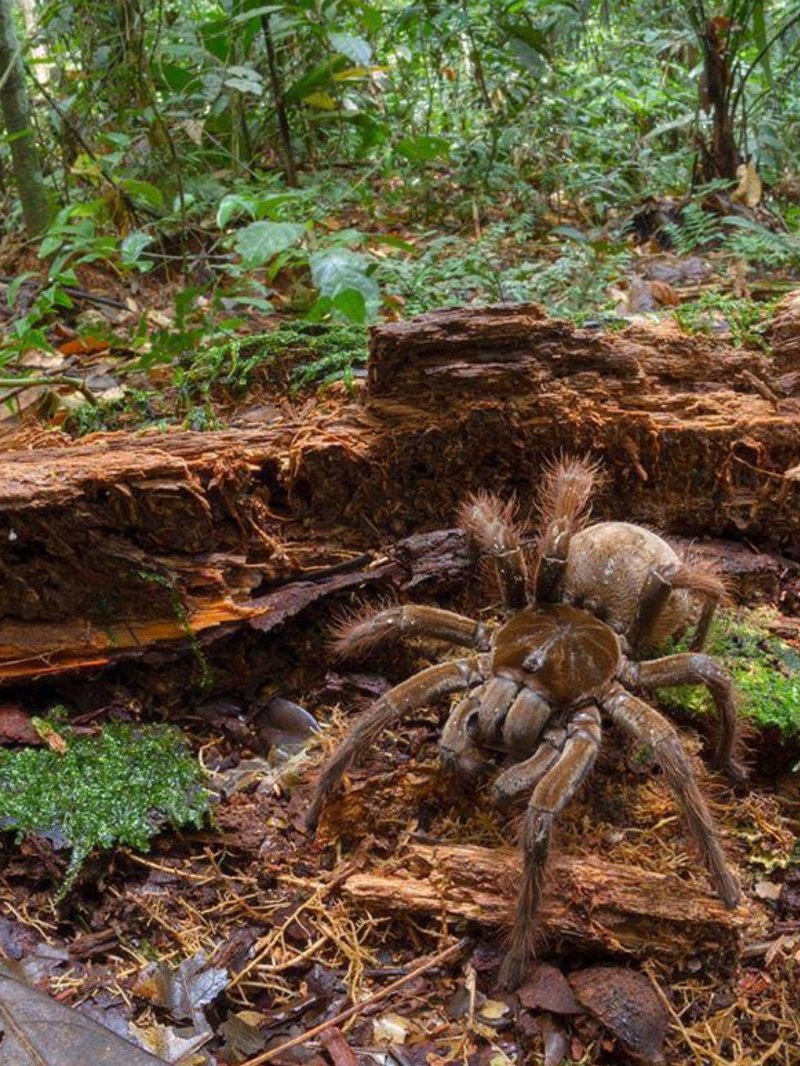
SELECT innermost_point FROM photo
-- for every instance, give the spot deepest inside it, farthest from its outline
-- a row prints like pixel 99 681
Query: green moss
pixel 766 671
pixel 119 787
pixel 319 354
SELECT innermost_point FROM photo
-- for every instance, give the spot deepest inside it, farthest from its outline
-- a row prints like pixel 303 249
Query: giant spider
pixel 541 684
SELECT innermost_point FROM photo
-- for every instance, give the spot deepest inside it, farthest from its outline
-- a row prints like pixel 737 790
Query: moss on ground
pixel 121 786
pixel 765 668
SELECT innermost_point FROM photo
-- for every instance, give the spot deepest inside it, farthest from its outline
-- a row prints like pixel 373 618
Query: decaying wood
pixel 588 902
pixel 121 543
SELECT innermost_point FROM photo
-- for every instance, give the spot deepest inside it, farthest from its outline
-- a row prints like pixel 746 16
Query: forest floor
pixel 222 945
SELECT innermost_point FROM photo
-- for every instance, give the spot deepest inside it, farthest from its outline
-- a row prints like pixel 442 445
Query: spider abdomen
pixel 608 565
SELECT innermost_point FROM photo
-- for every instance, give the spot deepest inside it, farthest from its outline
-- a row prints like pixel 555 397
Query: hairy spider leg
pixel 522 776
pixel 641 722
pixel 693 668
pixel 550 795
pixel 660 583
pixel 490 522
pixel 409 695
pixel 359 633
pixel 564 503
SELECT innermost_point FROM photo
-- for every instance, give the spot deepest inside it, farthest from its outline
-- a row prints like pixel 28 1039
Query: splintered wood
pixel 588 902
pixel 124 543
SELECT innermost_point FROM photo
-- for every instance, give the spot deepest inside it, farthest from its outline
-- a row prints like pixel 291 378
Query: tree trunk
pixel 280 103
pixel 16 108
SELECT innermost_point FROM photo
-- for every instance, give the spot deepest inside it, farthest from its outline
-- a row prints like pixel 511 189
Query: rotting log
pixel 588 903
pixel 120 543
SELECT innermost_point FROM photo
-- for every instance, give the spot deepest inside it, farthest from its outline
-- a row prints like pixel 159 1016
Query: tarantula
pixel 541 684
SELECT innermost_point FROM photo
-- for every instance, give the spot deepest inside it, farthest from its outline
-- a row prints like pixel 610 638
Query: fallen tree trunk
pixel 588 903
pixel 121 542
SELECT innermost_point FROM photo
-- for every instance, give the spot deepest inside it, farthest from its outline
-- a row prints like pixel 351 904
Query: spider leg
pixel 692 668
pixel 642 722
pixel 522 776
pixel 564 503
pixel 416 691
pixel 359 633
pixel 457 748
pixel 660 583
pixel 551 794
pixel 490 522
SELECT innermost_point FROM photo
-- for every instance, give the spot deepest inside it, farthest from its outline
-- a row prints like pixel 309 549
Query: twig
pixel 359 1008
pixel 18 384
pixel 335 1043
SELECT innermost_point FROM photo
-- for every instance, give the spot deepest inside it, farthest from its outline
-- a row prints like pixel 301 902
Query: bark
pixel 120 543
pixel 16 108
pixel 588 903
pixel 276 84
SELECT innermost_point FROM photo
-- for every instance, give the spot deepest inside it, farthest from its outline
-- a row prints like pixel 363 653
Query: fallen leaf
pixel 767 890
pixel 625 1002
pixel 183 991
pixel 16 726
pixel 390 1029
pixel 493 1009
pixel 548 989
pixel 36 1030
pixel 285 725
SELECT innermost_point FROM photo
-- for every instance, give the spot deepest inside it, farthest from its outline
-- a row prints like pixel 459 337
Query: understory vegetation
pixel 216 169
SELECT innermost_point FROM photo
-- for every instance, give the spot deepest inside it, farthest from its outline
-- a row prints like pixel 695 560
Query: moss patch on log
pixel 122 786
pixel 765 668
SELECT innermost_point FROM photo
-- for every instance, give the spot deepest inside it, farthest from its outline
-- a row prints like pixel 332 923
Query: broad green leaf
pixel 133 246
pixel 232 205
pixel 216 35
pixel 316 78
pixel 257 12
pixel 356 49
pixel 336 271
pixel 243 80
pixel 352 305
pixel 760 38
pixel 172 76
pixel 423 147
pixel 260 241
pixel 144 191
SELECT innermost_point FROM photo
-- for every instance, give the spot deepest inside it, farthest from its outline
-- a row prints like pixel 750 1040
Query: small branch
pixel 20 384
pixel 435 960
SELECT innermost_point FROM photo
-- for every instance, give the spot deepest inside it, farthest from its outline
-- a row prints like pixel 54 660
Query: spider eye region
pixel 561 651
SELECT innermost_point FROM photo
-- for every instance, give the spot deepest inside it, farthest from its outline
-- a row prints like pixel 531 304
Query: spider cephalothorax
pixel 540 687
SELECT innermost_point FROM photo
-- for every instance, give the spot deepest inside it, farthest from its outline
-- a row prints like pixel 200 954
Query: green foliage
pixel 714 311
pixel 766 671
pixel 312 354
pixel 122 786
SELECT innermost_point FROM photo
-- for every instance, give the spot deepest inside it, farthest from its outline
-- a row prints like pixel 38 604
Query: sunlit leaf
pixel 356 49
pixel 423 148
pixel 341 271
pixel 144 191
pixel 260 241
pixel 324 101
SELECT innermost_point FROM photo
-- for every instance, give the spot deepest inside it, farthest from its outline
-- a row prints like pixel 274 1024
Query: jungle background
pixel 218 223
